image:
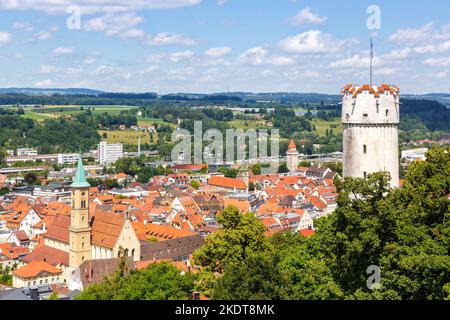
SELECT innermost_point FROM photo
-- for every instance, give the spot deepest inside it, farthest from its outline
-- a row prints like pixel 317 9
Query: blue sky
pixel 219 45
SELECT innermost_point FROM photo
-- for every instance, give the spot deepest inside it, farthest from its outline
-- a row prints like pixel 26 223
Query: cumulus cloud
pixel 122 25
pixel 48 69
pixel 437 62
pixel 218 52
pixel 62 51
pixel 24 26
pixel 5 38
pixel 104 70
pixel 260 56
pixel 306 16
pixel 313 41
pixel 93 6
pixel 168 38
pixel 43 35
pixel 411 35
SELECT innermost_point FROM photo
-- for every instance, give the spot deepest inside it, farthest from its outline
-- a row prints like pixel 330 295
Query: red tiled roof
pixel 228 183
pixel 48 254
pixel 35 268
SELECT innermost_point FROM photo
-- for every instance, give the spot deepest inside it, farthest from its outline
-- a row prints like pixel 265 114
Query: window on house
pixel 365 148
pixel 387 113
pixel 365 175
pixel 365 115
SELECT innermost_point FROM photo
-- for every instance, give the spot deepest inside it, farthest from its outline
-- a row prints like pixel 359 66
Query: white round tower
pixel 370 116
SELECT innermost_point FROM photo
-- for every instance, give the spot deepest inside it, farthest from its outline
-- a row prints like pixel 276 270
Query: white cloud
pixel 412 35
pixel 168 38
pixel 181 55
pixel 104 70
pixel 62 50
pixel 356 62
pixel 5 38
pixel 43 35
pixel 122 25
pixel 90 60
pixel 44 83
pixel 19 55
pixel 49 69
pixel 437 62
pixel 306 16
pixel 312 41
pixel 150 69
pixel 218 52
pixel 24 26
pixel 222 2
pixel 93 6
pixel 260 56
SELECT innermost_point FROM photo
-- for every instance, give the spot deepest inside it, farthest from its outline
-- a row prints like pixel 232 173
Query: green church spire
pixel 80 179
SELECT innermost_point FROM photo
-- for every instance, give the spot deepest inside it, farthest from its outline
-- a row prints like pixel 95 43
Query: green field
pixel 252 124
pixel 152 121
pixel 56 111
pixel 125 136
pixel 322 126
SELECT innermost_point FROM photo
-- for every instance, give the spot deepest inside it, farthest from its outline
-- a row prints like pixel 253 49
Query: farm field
pixel 322 126
pixel 252 124
pixel 150 121
pixel 125 136
pixel 55 111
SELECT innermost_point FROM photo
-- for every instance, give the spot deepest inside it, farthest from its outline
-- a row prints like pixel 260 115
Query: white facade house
pixel 109 152
pixel 370 116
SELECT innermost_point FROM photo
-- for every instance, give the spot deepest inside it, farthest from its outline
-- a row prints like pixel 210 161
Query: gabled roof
pixel 35 268
pixel 48 254
pixel 228 183
pixel 59 229
pixel 106 228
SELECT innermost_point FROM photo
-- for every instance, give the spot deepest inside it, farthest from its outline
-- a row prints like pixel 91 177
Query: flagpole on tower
pixel 371 61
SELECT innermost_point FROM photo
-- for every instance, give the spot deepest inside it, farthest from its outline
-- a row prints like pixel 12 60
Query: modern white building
pixel 26 152
pixel 68 158
pixel 370 116
pixel 109 153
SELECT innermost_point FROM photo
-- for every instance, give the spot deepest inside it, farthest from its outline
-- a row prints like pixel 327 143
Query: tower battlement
pixel 370 104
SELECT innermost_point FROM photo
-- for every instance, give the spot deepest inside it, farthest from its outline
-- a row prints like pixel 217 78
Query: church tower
pixel 370 116
pixel 292 157
pixel 244 175
pixel 79 230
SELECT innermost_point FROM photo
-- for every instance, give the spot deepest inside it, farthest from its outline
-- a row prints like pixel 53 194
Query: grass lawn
pixel 125 137
pixel 150 121
pixel 322 126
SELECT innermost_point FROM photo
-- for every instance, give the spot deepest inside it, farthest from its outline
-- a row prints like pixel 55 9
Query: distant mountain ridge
pixel 245 96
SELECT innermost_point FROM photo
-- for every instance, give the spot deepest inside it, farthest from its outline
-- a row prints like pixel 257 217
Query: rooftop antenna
pixel 371 60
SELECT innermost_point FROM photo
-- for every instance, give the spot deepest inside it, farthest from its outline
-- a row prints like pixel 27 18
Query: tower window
pixel 365 148
pixel 365 175
pixel 83 204
pixel 365 115
pixel 387 113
